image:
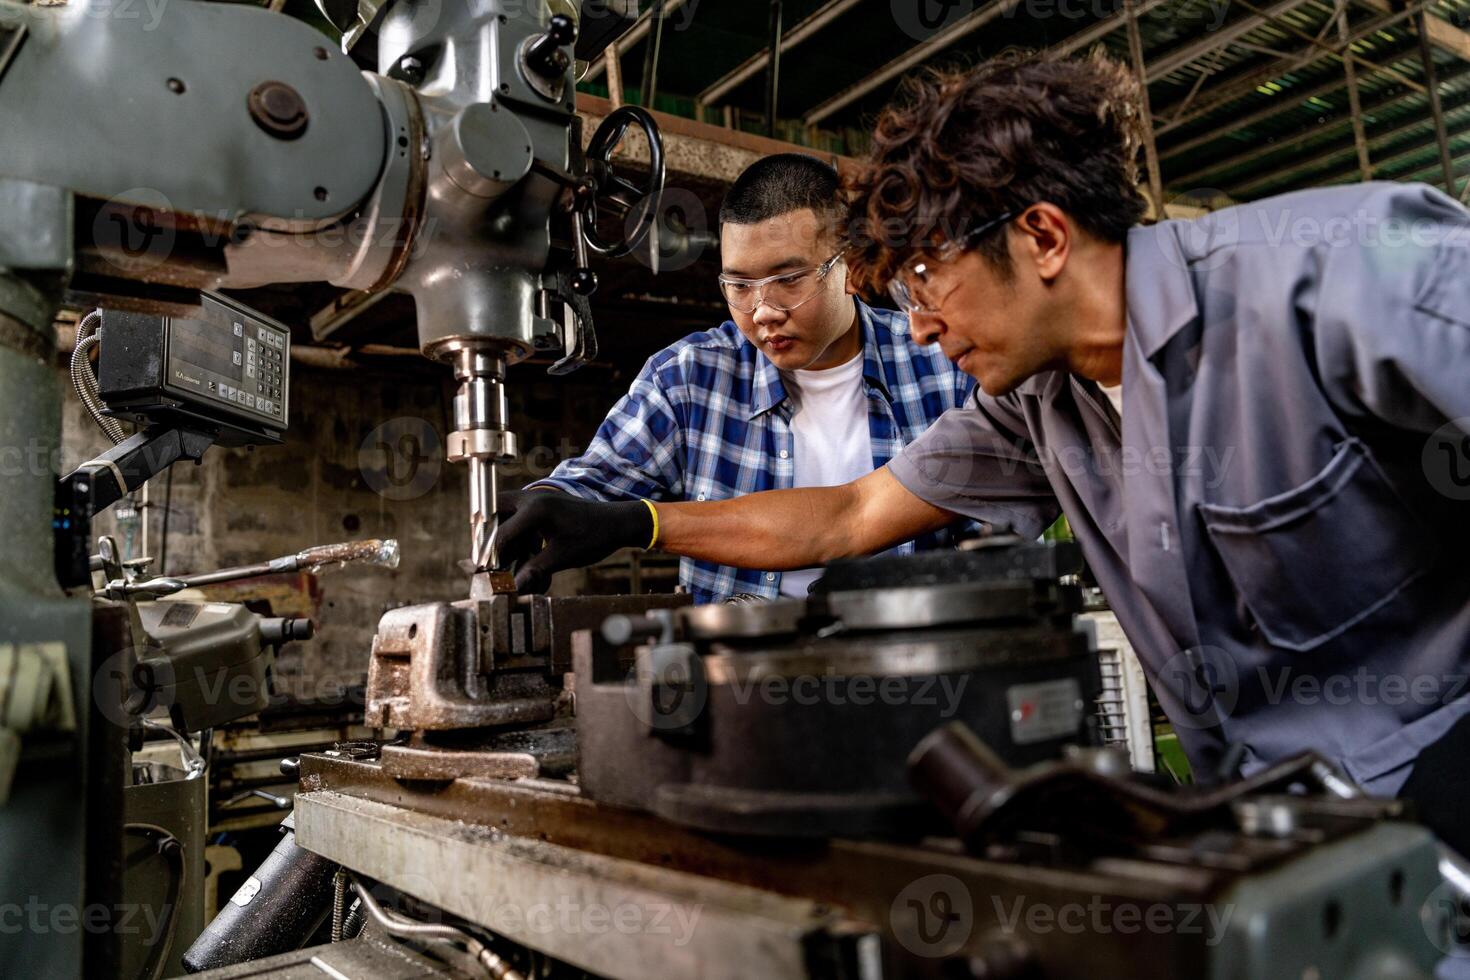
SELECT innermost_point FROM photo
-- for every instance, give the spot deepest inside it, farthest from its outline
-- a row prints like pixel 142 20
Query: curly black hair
pixel 958 149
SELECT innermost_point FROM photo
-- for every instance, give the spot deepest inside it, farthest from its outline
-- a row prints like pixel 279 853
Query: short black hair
pixel 779 184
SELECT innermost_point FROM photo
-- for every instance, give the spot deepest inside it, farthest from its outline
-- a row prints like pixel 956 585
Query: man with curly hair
pixel 1251 422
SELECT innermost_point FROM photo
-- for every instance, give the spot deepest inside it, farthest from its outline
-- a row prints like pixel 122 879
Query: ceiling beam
pixel 1100 30
pixel 1296 175
pixel 1303 136
pixel 1163 64
pixel 1424 172
pixel 1330 153
pixel 914 56
pixel 753 65
pixel 1243 85
pixel 1442 34
pixel 1334 84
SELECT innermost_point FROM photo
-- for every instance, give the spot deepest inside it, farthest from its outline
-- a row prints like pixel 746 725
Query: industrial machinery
pixel 695 715
pixel 254 151
pixel 936 810
pixel 619 787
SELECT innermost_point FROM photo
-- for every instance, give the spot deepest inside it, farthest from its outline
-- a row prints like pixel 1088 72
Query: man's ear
pixel 1047 235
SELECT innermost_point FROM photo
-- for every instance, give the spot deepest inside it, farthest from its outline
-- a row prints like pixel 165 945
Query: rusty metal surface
pixel 550 897
pixel 864 879
pixel 879 884
pixel 371 550
pixel 423 762
pixel 495 661
pixel 437 667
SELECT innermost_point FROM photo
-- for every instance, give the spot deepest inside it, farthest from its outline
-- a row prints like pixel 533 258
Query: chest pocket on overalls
pixel 1314 561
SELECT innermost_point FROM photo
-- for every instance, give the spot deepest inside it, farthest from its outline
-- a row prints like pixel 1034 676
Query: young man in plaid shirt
pixel 804 386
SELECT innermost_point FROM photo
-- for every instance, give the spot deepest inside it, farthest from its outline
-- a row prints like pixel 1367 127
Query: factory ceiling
pixel 1248 97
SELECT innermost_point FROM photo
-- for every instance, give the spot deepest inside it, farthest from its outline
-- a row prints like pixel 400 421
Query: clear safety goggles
pixel 784 291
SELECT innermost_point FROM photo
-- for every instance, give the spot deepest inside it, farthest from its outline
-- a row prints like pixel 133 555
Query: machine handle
pixel 617 194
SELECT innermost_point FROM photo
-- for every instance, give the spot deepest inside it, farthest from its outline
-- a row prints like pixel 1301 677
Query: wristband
pixel 653 541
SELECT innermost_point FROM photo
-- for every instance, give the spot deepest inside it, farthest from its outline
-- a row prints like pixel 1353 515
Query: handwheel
pixel 617 194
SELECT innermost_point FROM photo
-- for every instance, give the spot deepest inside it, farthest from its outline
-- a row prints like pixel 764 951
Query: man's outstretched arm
pixel 778 530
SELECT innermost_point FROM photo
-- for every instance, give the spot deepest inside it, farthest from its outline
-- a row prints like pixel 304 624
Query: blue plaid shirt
pixel 708 419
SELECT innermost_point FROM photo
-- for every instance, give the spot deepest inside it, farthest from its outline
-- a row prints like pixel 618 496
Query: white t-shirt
pixel 831 442
pixel 1115 395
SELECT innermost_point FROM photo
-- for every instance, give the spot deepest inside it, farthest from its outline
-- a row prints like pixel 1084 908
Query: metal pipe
pixel 634 35
pixel 614 75
pixel 773 68
pixel 649 85
pixel 803 31
pixel 1436 111
pixel 403 928
pixel 1151 150
pixel 1355 107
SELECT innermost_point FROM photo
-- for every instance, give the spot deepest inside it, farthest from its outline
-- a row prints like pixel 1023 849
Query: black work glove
pixel 547 531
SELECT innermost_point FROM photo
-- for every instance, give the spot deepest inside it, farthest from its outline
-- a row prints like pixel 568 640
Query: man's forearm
pixel 777 530
pixel 785 529
pixel 781 529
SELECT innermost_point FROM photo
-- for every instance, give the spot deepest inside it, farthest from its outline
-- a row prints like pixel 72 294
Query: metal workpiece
pixel 454 666
pixel 201 152
pixel 483 676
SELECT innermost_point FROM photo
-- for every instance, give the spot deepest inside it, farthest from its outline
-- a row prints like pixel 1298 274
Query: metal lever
pixel 545 56
pixel 374 551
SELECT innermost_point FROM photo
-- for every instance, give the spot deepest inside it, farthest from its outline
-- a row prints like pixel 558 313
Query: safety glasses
pixel 784 291
pixel 917 274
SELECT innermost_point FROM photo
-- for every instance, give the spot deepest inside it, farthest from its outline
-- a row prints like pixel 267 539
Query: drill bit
pixel 481 440
pixel 484 525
